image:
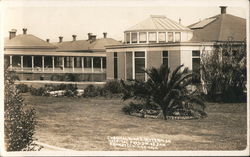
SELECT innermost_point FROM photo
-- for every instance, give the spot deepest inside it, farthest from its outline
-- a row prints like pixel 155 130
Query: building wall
pixel 154 59
pixel 174 59
pixel 186 58
pixel 121 65
pixel 110 66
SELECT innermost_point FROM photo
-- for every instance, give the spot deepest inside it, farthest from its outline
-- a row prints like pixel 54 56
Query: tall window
pixel 143 37
pixel 165 58
pixel 152 37
pixel 115 65
pixel 162 37
pixel 177 36
pixel 170 37
pixel 134 37
pixel 87 62
pixel 127 37
pixel 77 62
pixel 140 65
pixel 196 62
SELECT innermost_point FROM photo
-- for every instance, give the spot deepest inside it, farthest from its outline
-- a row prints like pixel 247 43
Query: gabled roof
pixel 157 22
pixel 27 41
pixel 86 45
pixel 220 28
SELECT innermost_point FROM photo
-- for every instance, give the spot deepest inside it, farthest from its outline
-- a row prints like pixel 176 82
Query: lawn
pixel 84 124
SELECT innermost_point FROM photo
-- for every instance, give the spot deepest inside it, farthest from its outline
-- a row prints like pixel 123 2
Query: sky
pixel 50 19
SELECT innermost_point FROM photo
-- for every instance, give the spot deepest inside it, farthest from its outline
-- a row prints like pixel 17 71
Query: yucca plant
pixel 169 90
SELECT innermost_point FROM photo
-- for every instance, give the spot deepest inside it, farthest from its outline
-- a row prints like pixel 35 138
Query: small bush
pixel 23 88
pixel 19 122
pixel 113 87
pixel 93 91
pixel 38 91
pixel 132 107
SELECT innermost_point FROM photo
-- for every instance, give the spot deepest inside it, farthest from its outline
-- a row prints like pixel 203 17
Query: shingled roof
pixel 86 45
pixel 157 22
pixel 27 41
pixel 221 27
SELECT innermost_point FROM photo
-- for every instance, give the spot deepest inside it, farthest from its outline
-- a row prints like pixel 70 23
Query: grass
pixel 83 124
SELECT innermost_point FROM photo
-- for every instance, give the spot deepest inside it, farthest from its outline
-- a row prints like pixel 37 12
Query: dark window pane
pixel 115 54
pixel 104 62
pixel 139 65
pixel 87 62
pixel 115 68
pixel 196 70
pixel 165 61
pixel 97 62
pixel 139 54
pixel 195 53
pixel 165 53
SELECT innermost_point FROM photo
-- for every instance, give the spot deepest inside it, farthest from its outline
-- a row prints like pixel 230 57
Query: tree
pixel 19 123
pixel 224 71
pixel 169 90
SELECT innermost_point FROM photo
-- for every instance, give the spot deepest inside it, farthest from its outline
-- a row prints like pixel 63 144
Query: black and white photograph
pixel 140 78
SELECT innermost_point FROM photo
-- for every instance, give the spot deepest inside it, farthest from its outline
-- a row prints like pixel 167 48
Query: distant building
pixel 156 40
pixel 159 40
pixel 35 59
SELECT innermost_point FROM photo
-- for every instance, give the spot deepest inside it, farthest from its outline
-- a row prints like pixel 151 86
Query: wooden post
pixel 22 63
pixel 53 63
pixel 82 63
pixel 43 62
pixel 10 62
pixel 92 64
pixel 101 65
pixel 32 63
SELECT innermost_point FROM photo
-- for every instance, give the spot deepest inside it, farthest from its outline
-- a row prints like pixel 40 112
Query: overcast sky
pixel 46 19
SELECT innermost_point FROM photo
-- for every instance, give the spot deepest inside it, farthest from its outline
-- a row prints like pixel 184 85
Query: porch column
pixel 11 62
pixel 53 63
pixel 32 63
pixel 133 64
pixel 43 62
pixel 73 63
pixel 92 64
pixel 22 63
pixel 82 63
pixel 101 64
pixel 63 63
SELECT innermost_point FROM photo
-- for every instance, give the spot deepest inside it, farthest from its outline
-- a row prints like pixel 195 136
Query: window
pixel 97 62
pixel 77 62
pixel 165 58
pixel 170 37
pixel 140 65
pixel 87 62
pixel 134 37
pixel 127 37
pixel 104 62
pixel 143 37
pixel 115 65
pixel 196 66
pixel 162 37
pixel 152 37
pixel 177 36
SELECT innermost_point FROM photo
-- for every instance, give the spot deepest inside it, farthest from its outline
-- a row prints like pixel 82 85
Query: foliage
pixel 113 86
pixel 168 90
pixel 93 91
pixel 19 123
pixel 70 89
pixel 224 71
pixel 65 77
pixel 23 88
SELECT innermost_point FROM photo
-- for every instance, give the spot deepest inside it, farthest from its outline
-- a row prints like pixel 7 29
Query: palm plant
pixel 169 90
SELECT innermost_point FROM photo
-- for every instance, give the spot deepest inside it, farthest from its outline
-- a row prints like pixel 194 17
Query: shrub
pixel 38 91
pixel 224 72
pixel 113 87
pixel 132 107
pixel 19 123
pixel 166 89
pixel 93 91
pixel 23 88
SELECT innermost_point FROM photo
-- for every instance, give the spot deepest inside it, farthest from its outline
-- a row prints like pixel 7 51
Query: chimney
pixel 93 37
pixel 89 36
pixel 60 39
pixel 47 40
pixel 74 37
pixel 24 30
pixel 104 34
pixel 223 9
pixel 12 33
pixel 179 20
